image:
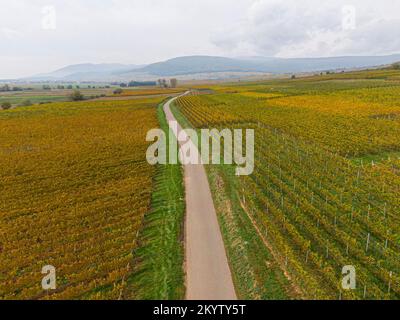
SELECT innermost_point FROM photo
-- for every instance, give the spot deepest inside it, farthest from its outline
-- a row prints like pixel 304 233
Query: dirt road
pixel 208 276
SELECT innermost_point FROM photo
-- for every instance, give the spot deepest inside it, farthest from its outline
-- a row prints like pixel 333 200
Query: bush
pixel 76 96
pixel 26 103
pixel 6 105
pixel 117 91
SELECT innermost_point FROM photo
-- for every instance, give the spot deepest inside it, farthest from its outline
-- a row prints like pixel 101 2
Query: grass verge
pixel 159 273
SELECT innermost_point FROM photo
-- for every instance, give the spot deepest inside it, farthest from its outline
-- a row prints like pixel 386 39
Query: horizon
pixel 193 55
pixel 46 36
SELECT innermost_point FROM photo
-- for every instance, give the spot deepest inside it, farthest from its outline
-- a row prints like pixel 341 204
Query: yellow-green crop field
pixel 75 186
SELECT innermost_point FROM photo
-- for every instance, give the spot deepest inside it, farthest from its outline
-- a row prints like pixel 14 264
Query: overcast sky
pixel 40 36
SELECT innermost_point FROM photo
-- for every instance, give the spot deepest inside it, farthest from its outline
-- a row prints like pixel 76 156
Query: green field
pixel 38 95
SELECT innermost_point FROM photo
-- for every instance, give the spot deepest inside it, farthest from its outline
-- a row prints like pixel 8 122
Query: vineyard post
pixel 367 246
pixel 386 241
pixel 390 281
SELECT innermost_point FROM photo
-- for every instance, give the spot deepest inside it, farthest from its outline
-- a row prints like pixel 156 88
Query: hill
pixel 210 67
pixel 208 64
pixel 85 72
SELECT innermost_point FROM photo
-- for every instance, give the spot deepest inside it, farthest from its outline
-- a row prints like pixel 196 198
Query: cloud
pixel 10 33
pixel 137 31
pixel 306 28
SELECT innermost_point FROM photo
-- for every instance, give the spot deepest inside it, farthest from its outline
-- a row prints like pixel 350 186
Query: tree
pixel 76 95
pixel 118 91
pixel 5 88
pixel 173 82
pixel 162 83
pixel 26 103
pixel 293 76
pixel 6 105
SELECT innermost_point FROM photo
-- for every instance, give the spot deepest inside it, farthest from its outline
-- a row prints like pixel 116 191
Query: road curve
pixel 208 276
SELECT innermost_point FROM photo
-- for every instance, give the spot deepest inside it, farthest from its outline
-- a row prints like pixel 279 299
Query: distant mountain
pixel 86 72
pixel 208 64
pixel 210 67
pixel 198 64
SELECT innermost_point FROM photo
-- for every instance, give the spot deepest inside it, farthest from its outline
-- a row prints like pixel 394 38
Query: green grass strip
pixel 159 273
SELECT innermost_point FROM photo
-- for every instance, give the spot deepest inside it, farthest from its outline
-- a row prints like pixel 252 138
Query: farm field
pixel 325 190
pixel 77 193
pixel 147 92
pixel 38 95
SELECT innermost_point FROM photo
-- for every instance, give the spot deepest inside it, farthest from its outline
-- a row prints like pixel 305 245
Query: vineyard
pixel 147 92
pixel 75 187
pixel 325 190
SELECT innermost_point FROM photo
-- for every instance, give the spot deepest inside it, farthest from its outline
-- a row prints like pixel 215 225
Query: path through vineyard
pixel 208 276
